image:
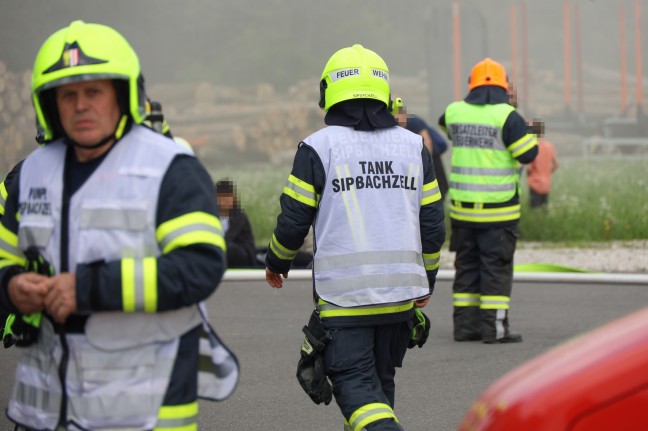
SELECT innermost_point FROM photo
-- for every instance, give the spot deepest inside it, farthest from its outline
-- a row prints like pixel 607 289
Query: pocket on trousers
pixel 509 239
pixel 400 346
pixel 345 351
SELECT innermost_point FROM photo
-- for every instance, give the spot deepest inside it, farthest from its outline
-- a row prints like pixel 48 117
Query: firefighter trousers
pixel 483 281
pixel 361 364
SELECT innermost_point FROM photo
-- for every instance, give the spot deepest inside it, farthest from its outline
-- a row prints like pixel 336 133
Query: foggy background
pixel 239 79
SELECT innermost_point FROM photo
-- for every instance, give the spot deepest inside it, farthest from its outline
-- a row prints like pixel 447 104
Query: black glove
pixel 312 378
pixel 22 329
pixel 310 369
pixel 421 329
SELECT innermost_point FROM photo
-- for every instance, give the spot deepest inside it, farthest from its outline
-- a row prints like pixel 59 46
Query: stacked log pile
pixel 253 121
pixel 258 122
pixel 17 128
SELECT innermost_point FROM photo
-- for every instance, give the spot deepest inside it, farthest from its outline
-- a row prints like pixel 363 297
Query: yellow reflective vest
pixel 484 171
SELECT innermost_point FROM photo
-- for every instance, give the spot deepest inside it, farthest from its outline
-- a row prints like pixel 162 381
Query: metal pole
pixel 448 275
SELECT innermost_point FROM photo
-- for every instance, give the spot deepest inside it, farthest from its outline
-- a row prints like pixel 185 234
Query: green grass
pixel 599 200
pixel 591 201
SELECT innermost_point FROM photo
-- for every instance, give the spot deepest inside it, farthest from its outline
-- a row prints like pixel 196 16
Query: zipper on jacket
pixel 62 369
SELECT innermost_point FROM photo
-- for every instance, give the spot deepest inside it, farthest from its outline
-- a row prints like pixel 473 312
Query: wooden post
pixel 579 57
pixel 567 98
pixel 525 58
pixel 624 67
pixel 638 55
pixel 514 47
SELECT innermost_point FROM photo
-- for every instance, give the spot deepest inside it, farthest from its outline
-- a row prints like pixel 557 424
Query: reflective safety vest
pixel 484 170
pixel 119 368
pixel 367 232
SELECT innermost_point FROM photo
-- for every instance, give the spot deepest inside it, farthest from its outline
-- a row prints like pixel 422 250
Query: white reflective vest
pixel 119 369
pixel 367 231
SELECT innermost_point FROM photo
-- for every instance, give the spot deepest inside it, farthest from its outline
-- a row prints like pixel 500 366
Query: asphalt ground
pixel 437 383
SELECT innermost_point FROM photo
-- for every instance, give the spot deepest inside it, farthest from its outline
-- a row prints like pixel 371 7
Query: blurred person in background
pixel 489 141
pixel 539 171
pixel 433 141
pixel 241 252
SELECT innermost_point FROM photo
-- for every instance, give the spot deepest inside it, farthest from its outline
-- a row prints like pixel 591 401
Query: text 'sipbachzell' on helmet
pixel 84 52
pixel 488 72
pixel 354 73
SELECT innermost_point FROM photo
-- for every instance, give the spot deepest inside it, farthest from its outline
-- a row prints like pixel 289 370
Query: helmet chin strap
pixel 116 135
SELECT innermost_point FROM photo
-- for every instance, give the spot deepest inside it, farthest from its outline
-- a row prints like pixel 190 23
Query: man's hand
pixel 275 280
pixel 422 302
pixel 60 302
pixel 28 291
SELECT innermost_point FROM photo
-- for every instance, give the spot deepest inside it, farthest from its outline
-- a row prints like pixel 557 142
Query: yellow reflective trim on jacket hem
pixel 485 215
pixel 329 310
pixel 178 418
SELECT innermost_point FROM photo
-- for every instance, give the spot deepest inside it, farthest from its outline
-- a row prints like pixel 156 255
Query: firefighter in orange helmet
pixel 489 141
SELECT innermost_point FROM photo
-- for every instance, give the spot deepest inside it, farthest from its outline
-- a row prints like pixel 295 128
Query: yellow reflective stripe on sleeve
pixel 431 260
pixel 280 251
pixel 466 299
pixel 9 247
pixel 178 418
pixel 301 191
pixel 188 229
pixel 4 262
pixel 370 413
pixel 128 285
pixel 431 193
pixel 139 284
pixel 149 280
pixel 494 302
pixel 3 197
pixel 523 145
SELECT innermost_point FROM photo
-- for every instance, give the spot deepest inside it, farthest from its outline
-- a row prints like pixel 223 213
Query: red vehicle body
pixel 596 382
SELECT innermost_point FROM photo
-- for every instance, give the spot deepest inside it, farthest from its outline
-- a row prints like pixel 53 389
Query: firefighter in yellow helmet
pixel 117 242
pixel 368 188
pixel 489 141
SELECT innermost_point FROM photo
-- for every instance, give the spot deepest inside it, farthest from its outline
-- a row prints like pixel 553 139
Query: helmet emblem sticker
pixel 73 56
